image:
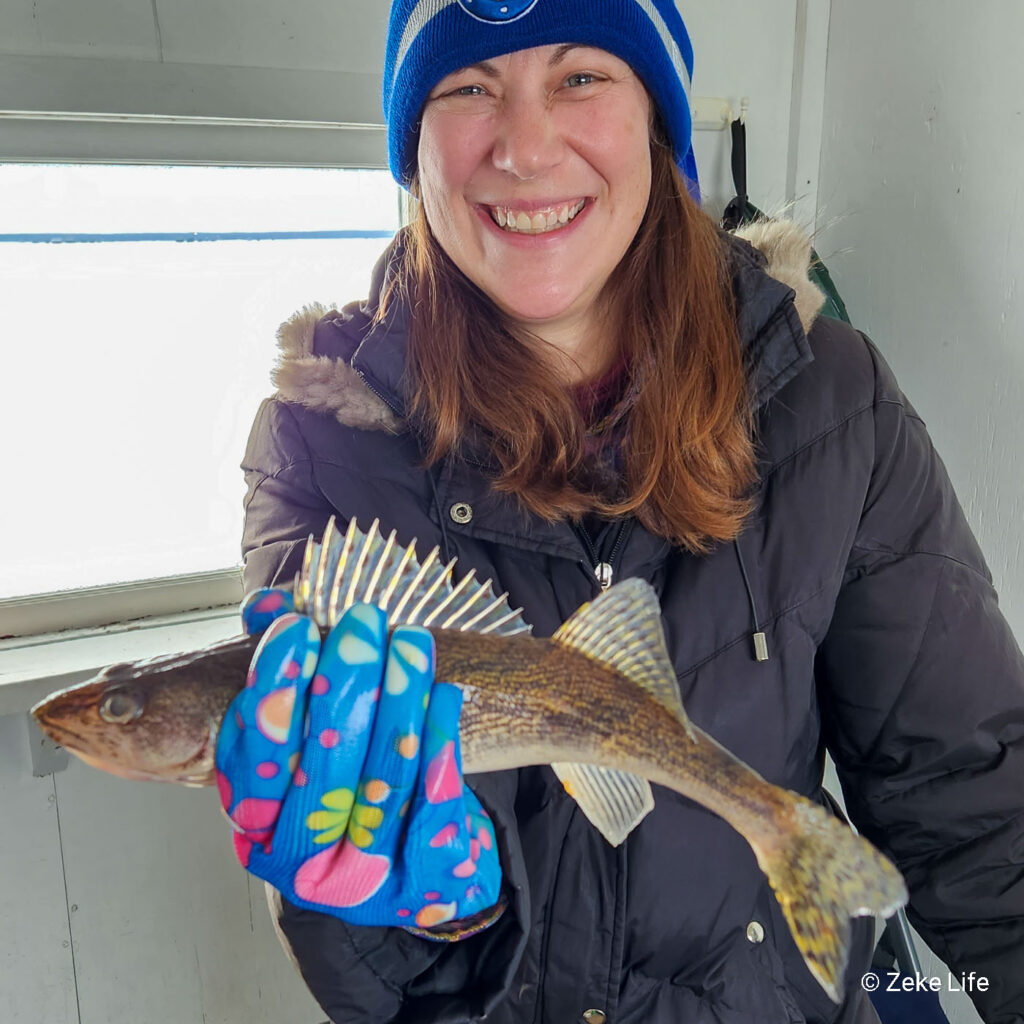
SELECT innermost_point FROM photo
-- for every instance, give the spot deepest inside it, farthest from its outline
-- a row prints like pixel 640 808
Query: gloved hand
pixel 340 770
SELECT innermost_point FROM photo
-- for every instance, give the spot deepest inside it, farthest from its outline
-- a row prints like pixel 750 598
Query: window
pixel 138 311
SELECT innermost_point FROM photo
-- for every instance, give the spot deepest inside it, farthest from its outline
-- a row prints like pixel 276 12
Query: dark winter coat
pixel 885 645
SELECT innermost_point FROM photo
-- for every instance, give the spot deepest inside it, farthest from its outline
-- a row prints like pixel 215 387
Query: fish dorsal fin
pixel 343 569
pixel 621 629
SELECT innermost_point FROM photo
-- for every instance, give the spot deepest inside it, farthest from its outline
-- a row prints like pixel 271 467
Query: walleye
pixel 598 701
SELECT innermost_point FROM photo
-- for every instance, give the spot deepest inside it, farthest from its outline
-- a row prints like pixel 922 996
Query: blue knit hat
pixel 429 39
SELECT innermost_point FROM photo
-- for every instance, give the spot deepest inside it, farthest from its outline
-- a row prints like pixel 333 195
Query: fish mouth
pixel 195 770
pixel 61 734
pixel 113 768
pixel 204 756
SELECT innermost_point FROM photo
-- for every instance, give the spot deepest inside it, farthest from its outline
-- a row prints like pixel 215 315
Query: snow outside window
pixel 138 311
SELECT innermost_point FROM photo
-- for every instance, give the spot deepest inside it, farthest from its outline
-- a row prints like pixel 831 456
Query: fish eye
pixel 120 707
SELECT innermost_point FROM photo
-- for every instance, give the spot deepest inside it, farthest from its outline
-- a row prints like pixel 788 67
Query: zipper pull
pixel 603 572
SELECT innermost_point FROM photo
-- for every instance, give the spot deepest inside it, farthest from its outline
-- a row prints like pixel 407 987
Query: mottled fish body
pixel 598 701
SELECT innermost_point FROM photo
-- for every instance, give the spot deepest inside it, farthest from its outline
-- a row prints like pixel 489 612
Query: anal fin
pixel 614 802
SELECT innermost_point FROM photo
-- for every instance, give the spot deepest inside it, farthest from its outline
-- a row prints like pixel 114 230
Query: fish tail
pixel 823 874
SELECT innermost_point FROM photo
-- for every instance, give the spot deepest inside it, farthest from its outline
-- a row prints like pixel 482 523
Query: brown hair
pixel 688 452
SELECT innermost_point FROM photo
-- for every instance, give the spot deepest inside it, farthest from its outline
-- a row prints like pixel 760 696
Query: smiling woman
pixel 553 133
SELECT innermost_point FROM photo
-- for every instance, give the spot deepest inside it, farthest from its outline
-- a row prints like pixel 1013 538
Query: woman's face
pixel 535 172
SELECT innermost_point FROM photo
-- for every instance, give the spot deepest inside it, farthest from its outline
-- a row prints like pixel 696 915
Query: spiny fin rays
pixel 341 570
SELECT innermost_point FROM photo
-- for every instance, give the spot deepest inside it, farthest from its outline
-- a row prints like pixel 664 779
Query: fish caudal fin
pixel 621 629
pixel 823 874
pixel 344 568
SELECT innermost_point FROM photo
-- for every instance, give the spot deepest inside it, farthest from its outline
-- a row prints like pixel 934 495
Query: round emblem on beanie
pixel 497 10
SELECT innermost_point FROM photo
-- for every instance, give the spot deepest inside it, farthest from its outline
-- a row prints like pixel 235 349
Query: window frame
pixel 86 608
pixel 32 136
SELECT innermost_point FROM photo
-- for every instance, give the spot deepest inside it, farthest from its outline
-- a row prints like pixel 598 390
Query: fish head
pixel 154 720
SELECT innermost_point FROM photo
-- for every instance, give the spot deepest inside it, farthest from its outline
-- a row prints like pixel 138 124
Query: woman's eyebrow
pixel 560 53
pixel 485 66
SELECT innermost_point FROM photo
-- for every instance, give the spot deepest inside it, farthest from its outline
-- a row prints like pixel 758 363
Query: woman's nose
pixel 528 141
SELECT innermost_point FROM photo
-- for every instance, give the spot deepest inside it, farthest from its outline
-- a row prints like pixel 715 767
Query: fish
pixel 598 701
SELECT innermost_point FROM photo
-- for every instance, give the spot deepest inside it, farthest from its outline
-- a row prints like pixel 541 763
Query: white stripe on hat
pixel 427 9
pixel 418 17
pixel 669 43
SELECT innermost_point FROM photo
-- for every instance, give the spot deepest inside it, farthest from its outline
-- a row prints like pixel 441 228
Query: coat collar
pixel 338 362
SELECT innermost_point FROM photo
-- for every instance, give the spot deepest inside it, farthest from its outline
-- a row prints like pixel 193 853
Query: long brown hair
pixel 688 453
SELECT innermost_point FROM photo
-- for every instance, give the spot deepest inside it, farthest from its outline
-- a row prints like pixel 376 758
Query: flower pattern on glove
pixel 339 767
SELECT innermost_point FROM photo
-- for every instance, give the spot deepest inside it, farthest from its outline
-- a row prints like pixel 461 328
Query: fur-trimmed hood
pixel 316 371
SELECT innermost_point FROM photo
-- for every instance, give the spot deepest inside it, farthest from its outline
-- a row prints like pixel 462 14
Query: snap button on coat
pixel 594 1016
pixel 461 512
pixel 755 932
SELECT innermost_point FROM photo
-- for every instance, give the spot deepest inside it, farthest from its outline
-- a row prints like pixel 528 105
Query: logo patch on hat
pixel 496 10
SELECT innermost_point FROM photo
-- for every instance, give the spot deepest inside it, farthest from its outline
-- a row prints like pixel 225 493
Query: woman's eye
pixel 581 78
pixel 467 90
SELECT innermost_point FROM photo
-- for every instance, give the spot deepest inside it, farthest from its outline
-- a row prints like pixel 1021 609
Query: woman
pixel 565 376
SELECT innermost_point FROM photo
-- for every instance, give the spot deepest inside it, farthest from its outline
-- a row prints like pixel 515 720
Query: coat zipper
pixel 397 410
pixel 621 536
pixel 604 569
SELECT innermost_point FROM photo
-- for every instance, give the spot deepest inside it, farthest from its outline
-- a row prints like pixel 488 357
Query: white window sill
pixel 33 666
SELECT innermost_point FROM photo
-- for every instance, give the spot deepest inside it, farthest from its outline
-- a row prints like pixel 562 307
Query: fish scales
pixel 598 700
pixel 572 706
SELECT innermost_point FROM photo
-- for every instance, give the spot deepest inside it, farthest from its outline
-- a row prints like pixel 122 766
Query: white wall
pixel 922 200
pixel 921 203
pixel 773 53
pixel 305 61
pixel 122 902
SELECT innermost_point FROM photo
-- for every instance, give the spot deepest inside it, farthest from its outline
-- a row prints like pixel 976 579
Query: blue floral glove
pixel 340 770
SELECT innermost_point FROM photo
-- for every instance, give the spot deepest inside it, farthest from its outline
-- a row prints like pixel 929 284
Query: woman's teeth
pixel 538 223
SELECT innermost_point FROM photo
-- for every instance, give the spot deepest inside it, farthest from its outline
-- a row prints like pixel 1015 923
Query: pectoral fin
pixel 615 802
